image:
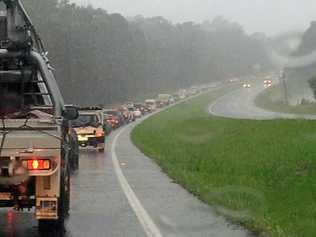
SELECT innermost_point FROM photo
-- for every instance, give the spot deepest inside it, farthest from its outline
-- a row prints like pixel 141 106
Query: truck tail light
pixel 37 164
pixel 99 134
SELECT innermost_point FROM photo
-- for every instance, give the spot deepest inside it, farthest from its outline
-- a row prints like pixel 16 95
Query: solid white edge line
pixel 145 220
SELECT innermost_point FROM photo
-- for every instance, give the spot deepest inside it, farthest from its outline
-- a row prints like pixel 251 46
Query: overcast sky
pixel 268 16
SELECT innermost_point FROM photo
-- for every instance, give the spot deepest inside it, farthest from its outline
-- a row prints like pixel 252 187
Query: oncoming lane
pixel 240 104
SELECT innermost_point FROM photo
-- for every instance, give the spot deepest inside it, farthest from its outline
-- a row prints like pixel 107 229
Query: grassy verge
pixel 273 99
pixel 257 173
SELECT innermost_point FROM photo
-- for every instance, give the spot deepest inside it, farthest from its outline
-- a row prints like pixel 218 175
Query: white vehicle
pixel 164 99
pixel 137 113
pixel 152 104
pixel 182 94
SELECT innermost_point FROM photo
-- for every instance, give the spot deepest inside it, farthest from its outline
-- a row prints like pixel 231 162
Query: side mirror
pixel 71 112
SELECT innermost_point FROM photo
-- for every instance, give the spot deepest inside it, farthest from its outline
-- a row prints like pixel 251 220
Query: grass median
pixel 257 173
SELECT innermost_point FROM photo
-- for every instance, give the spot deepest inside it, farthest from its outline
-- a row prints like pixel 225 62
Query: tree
pixel 312 84
pixel 105 58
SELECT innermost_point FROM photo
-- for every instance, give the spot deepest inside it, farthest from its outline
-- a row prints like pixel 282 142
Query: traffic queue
pixel 96 123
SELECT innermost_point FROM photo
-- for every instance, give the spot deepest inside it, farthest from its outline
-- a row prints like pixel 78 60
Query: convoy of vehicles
pixel 118 116
pixel 35 132
pixel 40 135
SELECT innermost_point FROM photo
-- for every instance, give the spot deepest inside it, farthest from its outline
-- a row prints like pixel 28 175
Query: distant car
pixel 164 99
pixel 142 108
pixel 182 94
pixel 267 83
pixel 160 104
pixel 246 85
pixel 129 104
pixel 128 115
pixel 151 104
pixel 172 100
pixel 137 113
pixel 89 129
pixel 114 117
pixel 112 121
pixel 176 97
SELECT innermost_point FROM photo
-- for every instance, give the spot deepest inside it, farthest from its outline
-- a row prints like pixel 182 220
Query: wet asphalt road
pixel 240 104
pixel 122 193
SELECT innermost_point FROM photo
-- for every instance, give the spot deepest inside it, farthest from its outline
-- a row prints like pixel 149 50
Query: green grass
pixel 257 173
pixel 273 99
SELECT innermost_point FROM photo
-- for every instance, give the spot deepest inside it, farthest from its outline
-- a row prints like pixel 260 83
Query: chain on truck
pixel 34 122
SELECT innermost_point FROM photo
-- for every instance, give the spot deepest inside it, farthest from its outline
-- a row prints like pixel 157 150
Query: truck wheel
pixel 63 204
pixel 64 200
pixel 75 162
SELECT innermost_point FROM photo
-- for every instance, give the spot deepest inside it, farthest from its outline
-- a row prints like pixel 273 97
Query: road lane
pixel 99 207
pixel 175 211
pixel 240 104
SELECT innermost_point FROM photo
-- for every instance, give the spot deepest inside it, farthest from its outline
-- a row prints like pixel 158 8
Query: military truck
pixel 35 143
pixel 163 100
pixel 89 127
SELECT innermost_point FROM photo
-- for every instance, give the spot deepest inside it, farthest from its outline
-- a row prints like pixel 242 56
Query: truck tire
pixel 64 200
pixel 75 162
pixel 63 204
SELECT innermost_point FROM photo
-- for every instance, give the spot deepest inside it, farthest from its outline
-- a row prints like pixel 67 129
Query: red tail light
pixel 37 164
pixel 99 133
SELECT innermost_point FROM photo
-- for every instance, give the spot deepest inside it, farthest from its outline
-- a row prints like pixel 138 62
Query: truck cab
pixel 152 104
pixel 164 99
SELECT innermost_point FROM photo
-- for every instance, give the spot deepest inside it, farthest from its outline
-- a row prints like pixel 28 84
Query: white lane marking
pixel 147 223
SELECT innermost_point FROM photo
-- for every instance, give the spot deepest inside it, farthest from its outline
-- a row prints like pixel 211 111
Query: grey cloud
pixel 269 16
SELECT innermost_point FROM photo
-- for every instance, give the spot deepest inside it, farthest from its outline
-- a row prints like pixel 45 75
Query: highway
pixel 122 193
pixel 240 104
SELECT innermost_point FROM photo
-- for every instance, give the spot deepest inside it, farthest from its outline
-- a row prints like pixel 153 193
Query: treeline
pixel 104 58
pixel 301 80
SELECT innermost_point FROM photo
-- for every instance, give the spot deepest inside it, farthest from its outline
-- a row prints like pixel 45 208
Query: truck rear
pixel 35 141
